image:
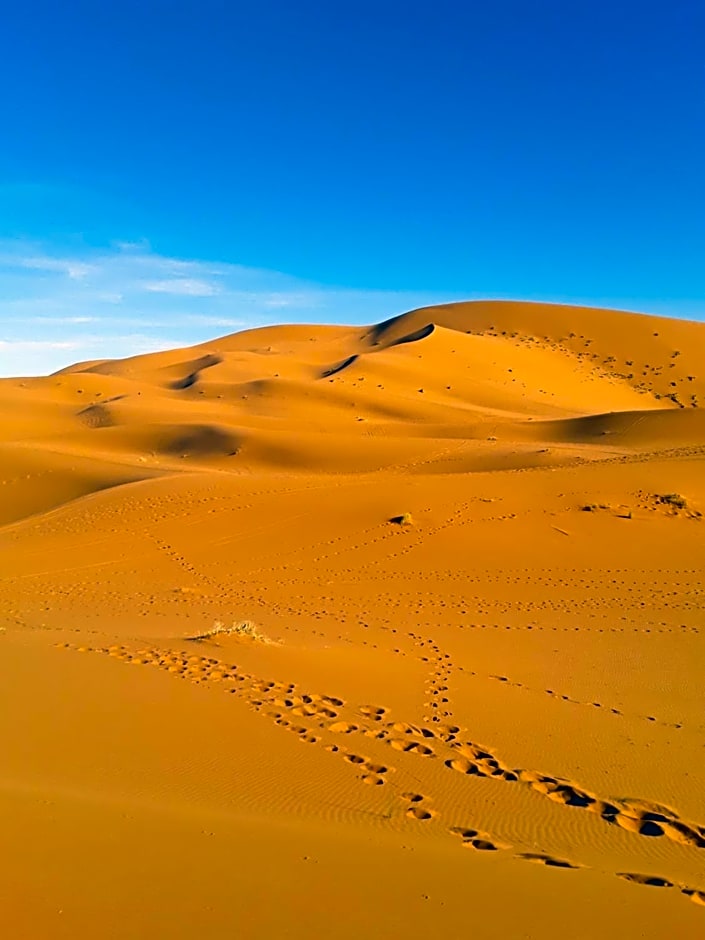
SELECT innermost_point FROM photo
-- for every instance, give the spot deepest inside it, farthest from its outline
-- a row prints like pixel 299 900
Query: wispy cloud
pixel 59 320
pixel 135 300
pixel 73 269
pixel 182 286
pixel 19 345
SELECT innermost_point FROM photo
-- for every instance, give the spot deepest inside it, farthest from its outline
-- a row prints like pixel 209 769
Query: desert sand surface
pixel 470 540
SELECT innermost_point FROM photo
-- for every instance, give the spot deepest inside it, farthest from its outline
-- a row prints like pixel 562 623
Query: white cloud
pixel 57 320
pixel 20 345
pixel 204 320
pixel 24 357
pixel 36 356
pixel 182 286
pixel 142 245
pixel 288 300
pixel 136 300
pixel 74 269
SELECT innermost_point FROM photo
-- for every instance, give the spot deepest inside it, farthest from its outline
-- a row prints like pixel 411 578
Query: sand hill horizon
pixel 507 374
pixel 417 611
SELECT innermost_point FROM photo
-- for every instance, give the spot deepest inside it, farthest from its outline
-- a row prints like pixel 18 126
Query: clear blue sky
pixel 376 154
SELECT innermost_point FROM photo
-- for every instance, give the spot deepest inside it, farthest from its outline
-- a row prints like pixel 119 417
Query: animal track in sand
pixel 641 817
pixel 656 881
pixel 437 705
pixel 478 840
pixel 476 768
pixel 423 814
pixel 549 860
pixel 411 747
pixel 653 881
pixel 354 759
pixel 610 710
pixel 412 797
pixel 697 897
pixel 482 845
pixel 637 816
pixel 373 712
pixel 404 728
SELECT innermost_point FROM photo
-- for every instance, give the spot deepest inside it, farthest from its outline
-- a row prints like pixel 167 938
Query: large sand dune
pixel 471 541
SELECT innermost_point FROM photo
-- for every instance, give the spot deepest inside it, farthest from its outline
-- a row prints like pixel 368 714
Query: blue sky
pixel 174 171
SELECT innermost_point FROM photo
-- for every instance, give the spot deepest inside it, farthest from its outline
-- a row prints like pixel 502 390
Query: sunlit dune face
pixel 331 631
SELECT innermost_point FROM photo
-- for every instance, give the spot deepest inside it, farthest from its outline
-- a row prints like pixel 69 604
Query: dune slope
pixel 416 611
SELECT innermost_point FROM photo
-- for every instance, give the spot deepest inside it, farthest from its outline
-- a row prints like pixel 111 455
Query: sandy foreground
pixel 471 543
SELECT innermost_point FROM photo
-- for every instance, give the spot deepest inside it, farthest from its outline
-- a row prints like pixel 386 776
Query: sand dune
pixel 469 540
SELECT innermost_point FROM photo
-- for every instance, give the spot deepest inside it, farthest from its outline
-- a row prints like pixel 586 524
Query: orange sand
pixel 482 719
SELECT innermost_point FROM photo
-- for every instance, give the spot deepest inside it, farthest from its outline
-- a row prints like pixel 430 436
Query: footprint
pixel 375 712
pixel 303 711
pixel 644 827
pixel 569 796
pixel 608 811
pixel 652 881
pixel 421 749
pixel 376 768
pixel 412 797
pixel 343 727
pixel 480 841
pixel 481 845
pixel 697 897
pixel 472 751
pixel 420 812
pixel 448 729
pixel 549 860
pixel 404 728
pixel 464 766
pixel 411 747
pixel 683 834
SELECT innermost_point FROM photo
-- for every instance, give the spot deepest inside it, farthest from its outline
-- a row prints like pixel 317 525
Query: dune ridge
pixel 466 544
pixel 475 371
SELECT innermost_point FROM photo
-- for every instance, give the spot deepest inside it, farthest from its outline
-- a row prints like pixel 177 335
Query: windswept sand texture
pixel 470 540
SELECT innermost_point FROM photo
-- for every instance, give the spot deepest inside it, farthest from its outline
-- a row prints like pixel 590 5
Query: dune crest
pixel 413 620
pixel 524 373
